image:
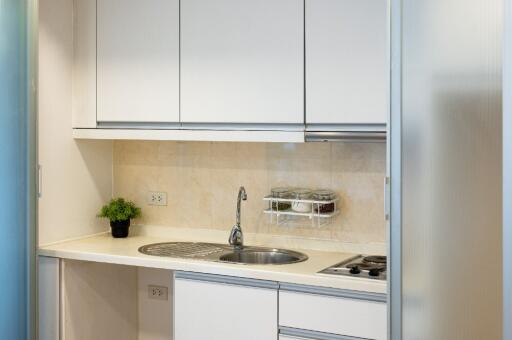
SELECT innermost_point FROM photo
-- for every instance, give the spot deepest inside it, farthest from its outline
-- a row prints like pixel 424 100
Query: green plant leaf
pixel 119 209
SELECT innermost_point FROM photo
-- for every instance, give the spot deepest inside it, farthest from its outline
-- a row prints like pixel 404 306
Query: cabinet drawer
pixel 217 307
pixel 347 316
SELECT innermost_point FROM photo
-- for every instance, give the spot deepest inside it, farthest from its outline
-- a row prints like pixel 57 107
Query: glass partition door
pixel 446 170
pixel 17 138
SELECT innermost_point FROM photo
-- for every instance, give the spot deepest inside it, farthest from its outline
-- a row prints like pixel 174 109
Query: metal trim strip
pixel 200 126
pixel 346 136
pixel 395 173
pixel 230 280
pixel 333 292
pixel 314 335
pixel 507 172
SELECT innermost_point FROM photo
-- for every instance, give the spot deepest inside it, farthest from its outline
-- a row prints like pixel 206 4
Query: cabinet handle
pixel 313 335
pixel 333 292
pixel 39 180
pixel 346 136
pixel 386 198
pixel 231 280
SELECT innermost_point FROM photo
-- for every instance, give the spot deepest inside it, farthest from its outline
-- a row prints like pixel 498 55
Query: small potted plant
pixel 120 212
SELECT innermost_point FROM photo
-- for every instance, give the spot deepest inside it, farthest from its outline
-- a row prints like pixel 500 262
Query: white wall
pixel 77 175
pixel 99 301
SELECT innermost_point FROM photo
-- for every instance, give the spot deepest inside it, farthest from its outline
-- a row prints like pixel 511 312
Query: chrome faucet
pixel 236 237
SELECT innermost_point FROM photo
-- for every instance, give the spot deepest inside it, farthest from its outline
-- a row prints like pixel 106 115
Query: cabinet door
pixel 242 61
pixel 49 298
pixel 347 68
pixel 344 316
pixel 224 310
pixel 138 61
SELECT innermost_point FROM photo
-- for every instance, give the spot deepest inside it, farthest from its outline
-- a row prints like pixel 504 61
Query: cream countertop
pixel 104 248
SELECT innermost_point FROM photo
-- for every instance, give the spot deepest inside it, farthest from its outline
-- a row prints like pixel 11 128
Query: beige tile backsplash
pixel 202 180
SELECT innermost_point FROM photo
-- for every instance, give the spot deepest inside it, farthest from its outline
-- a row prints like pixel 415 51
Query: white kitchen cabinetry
pixel 343 314
pixel 83 60
pixel 138 61
pixel 224 308
pixel 49 298
pixel 242 61
pixel 347 69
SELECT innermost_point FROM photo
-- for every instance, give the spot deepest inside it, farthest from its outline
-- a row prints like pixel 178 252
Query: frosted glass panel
pixel 13 163
pixel 451 169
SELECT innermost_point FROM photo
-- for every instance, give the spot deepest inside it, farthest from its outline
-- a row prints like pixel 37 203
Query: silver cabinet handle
pixel 231 280
pixel 39 180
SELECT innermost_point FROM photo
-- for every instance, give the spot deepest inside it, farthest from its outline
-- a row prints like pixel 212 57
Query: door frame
pixel 507 171
pixel 395 176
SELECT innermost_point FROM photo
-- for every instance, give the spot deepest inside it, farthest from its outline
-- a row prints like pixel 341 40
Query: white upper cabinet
pixel 242 61
pixel 138 61
pixel 347 70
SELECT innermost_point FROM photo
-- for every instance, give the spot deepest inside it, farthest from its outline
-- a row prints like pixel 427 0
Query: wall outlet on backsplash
pixel 157 198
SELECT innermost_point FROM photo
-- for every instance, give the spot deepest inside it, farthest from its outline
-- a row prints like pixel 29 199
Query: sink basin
pixel 223 253
pixel 250 255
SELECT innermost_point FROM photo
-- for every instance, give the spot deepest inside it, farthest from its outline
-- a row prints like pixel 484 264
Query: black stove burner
pixel 375 259
pixel 374 272
pixel 373 265
pixel 364 265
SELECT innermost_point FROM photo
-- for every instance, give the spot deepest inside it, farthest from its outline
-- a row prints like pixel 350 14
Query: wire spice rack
pixel 289 216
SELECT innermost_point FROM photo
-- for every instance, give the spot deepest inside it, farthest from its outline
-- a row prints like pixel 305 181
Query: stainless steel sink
pixel 223 253
pixel 253 255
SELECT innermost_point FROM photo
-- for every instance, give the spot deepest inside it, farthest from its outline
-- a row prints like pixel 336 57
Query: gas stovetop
pixel 369 267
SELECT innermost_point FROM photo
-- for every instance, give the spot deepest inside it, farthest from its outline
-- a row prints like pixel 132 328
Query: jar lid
pixel 302 194
pixel 281 192
pixel 324 195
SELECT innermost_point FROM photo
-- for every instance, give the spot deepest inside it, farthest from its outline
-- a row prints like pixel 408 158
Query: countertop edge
pixel 245 271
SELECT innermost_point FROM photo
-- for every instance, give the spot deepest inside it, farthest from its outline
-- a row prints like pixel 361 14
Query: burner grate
pixel 375 259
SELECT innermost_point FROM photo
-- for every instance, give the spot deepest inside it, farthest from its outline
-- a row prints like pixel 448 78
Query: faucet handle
pixel 236 238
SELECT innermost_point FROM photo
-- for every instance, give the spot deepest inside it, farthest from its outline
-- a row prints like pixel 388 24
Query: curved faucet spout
pixel 242 195
pixel 236 237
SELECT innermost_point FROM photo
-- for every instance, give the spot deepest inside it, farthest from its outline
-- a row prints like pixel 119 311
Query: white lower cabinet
pixel 89 300
pixel 49 298
pixel 224 308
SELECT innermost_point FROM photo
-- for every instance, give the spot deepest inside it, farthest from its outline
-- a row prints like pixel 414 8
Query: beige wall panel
pixel 100 301
pixel 76 175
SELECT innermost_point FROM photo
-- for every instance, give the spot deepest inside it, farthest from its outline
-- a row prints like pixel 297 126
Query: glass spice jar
pixel 281 192
pixel 324 195
pixel 301 194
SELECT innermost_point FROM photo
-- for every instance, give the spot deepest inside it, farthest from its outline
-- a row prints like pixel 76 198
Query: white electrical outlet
pixel 157 198
pixel 157 292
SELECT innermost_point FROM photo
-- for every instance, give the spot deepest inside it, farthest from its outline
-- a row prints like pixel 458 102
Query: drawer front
pixel 335 315
pixel 215 307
